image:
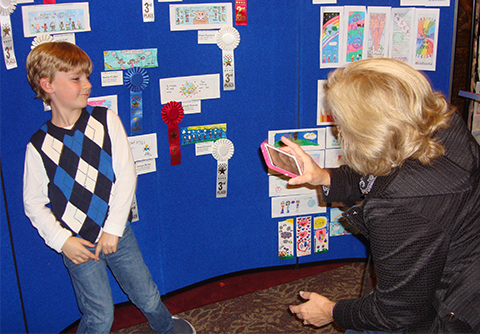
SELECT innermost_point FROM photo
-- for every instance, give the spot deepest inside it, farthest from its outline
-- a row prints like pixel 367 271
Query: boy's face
pixel 70 90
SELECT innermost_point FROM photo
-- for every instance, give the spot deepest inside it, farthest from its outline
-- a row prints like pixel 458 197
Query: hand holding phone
pixel 280 161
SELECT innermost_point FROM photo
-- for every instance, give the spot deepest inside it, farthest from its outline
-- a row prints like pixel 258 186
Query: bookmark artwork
pixel 355 32
pixel 304 235
pixel 401 34
pixel 377 31
pixel 285 239
pixel 320 227
pixel 331 19
pixel 427 22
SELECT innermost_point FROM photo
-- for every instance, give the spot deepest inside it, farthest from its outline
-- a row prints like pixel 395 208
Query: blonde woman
pixel 415 169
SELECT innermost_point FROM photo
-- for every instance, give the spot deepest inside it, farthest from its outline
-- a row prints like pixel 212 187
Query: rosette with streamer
pixel 228 39
pixel 40 39
pixel 172 115
pixel 222 151
pixel 7 7
pixel 136 80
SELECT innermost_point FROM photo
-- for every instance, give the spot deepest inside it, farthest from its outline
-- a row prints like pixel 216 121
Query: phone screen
pixel 283 161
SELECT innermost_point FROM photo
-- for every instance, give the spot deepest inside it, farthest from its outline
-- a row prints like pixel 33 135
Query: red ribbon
pixel 241 12
pixel 172 115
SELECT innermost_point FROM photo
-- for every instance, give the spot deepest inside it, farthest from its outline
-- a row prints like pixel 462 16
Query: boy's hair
pixel 46 59
pixel 386 112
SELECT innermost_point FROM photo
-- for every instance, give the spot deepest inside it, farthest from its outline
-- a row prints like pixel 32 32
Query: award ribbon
pixel 136 79
pixel 6 8
pixel 172 115
pixel 222 151
pixel 241 12
pixel 228 39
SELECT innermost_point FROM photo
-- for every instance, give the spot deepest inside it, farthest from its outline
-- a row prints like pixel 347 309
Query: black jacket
pixel 423 224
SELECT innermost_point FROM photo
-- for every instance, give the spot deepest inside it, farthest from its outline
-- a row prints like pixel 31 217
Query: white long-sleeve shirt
pixel 35 189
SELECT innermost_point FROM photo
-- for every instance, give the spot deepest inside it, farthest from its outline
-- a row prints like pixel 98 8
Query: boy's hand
pixel 108 243
pixel 74 249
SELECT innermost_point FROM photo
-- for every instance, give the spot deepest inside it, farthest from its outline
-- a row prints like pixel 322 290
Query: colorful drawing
pixel 190 88
pixel 321 227
pixel 200 16
pixel 330 33
pixel 315 138
pixel 285 239
pixel 427 23
pixel 355 34
pixel 304 235
pixel 425 40
pixel 401 34
pixel 203 133
pixel 377 42
pixel 55 18
pixel 124 59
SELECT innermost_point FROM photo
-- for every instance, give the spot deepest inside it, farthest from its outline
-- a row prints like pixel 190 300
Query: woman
pixel 415 168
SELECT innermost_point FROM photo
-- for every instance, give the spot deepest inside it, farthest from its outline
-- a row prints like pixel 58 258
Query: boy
pixel 80 164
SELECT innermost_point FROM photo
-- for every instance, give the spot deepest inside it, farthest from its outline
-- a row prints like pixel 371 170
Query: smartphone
pixel 280 161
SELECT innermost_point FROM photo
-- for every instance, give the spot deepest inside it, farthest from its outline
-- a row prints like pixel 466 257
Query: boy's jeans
pixel 93 292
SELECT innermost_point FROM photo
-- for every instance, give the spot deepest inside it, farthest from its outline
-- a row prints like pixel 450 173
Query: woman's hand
pixel 317 311
pixel 311 172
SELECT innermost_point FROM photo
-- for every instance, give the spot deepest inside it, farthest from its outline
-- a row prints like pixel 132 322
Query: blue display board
pixel 186 234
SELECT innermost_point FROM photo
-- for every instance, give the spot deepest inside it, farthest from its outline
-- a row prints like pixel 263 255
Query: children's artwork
pixel 309 139
pixel 401 42
pixel 181 89
pixel 294 205
pixel 377 29
pixel 330 37
pixel 323 115
pixel 203 133
pixel 331 139
pixel 285 239
pixel 200 16
pixel 339 225
pixel 144 146
pixel 304 235
pixel 355 32
pixel 125 59
pixel 278 186
pixel 55 18
pixel 320 233
pixel 426 23
pixel 334 158
pixel 108 101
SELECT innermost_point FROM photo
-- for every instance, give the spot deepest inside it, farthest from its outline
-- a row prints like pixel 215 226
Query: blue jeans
pixel 94 295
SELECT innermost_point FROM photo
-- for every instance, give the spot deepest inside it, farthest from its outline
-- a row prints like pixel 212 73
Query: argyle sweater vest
pixel 79 167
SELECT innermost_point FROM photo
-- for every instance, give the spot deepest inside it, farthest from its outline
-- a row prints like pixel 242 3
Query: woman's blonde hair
pixel 46 59
pixel 386 112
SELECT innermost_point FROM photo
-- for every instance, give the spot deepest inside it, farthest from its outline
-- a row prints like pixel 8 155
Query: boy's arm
pixel 35 201
pixel 125 174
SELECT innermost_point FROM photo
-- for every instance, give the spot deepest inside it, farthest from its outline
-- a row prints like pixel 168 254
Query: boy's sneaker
pixel 181 326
